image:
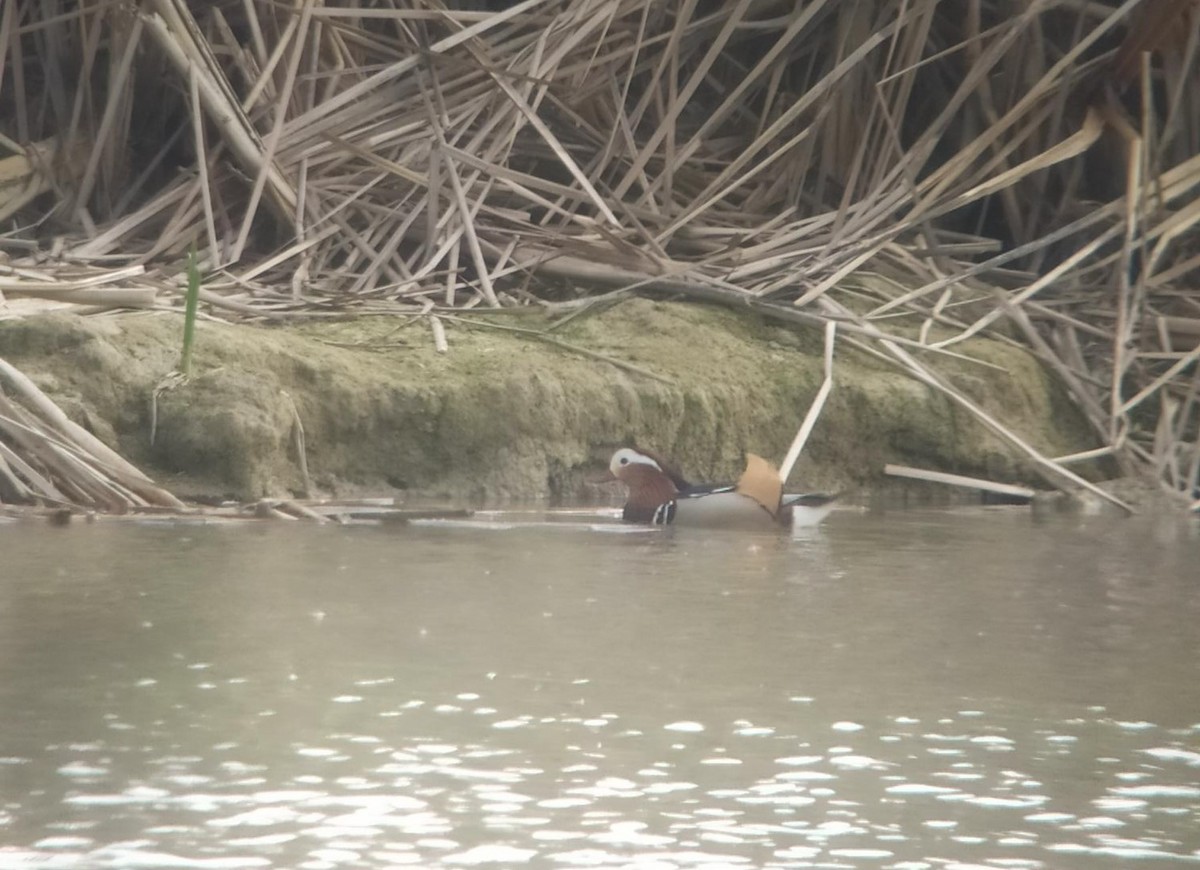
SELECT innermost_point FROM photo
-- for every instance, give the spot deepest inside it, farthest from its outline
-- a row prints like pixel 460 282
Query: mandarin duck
pixel 659 495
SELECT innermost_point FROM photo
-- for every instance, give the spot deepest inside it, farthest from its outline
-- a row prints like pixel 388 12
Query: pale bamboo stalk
pixel 682 284
pixel 1174 272
pixel 227 116
pixel 109 297
pixel 1056 154
pixel 25 477
pixel 389 252
pixel 115 87
pixel 667 126
pixel 620 99
pixel 356 92
pixel 1085 455
pixel 439 334
pixel 1166 459
pixel 1185 429
pixel 1054 473
pixel 47 283
pixel 179 229
pixel 106 491
pixel 210 225
pixel 86 441
pixel 290 252
pixel 1087 401
pixel 939 179
pixel 299 443
pixel 1011 300
pixel 16 64
pixel 103 242
pixel 773 55
pixel 556 146
pixel 264 82
pixel 1159 382
pixel 16 488
pixel 9 37
pixel 268 509
pixel 1120 358
pixel 1048 467
pixel 270 146
pixel 297 510
pixel 716 188
pixel 1071 147
pixel 959 480
pixel 1192 483
pixel 80 482
pixel 436 112
pixel 452 273
pixel 256 32
pixel 814 410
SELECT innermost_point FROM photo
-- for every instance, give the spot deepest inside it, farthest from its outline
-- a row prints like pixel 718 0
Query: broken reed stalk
pixel 81 286
pixel 814 410
pixel 74 464
pixel 1053 472
pixel 959 480
pixel 299 444
pixel 439 334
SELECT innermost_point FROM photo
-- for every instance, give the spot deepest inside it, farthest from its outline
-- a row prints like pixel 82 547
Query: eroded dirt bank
pixel 507 415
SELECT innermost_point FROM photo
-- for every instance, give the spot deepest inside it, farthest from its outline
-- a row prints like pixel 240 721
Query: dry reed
pixel 1024 171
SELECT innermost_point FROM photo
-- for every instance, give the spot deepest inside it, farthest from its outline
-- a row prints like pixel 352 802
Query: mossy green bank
pixel 507 415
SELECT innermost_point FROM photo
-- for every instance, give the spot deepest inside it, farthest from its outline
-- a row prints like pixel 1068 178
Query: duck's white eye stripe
pixel 627 456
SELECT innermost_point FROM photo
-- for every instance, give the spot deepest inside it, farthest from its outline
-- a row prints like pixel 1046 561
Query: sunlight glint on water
pixel 896 691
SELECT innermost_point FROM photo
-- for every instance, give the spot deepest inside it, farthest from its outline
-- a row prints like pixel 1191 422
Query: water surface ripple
pixel 901 690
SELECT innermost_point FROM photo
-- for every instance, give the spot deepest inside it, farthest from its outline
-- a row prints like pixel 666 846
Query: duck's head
pixel 650 482
pixel 634 460
pixel 629 461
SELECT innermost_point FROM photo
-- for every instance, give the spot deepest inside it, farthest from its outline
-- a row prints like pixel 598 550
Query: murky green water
pixel 905 690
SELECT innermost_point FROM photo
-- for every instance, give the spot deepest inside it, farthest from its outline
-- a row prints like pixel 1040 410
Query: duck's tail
pixel 808 508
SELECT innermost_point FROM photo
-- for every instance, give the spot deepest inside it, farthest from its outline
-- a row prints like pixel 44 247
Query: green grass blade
pixel 189 313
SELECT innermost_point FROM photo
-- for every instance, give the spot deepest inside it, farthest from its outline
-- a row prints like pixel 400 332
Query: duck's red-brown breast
pixel 648 487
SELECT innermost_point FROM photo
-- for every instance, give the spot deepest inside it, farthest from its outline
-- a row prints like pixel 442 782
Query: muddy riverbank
pixel 507 414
